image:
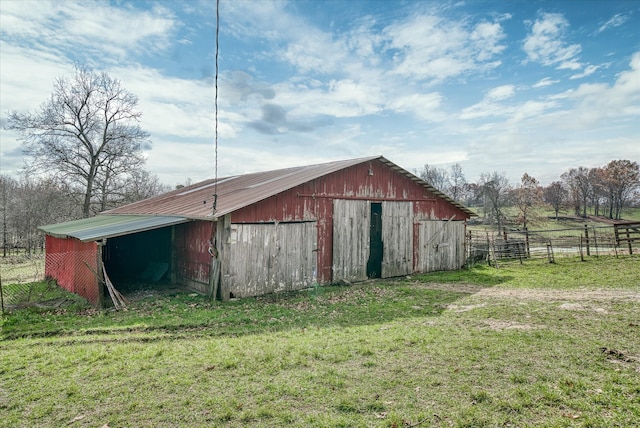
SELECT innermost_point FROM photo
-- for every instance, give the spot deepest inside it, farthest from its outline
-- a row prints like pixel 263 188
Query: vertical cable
pixel 215 188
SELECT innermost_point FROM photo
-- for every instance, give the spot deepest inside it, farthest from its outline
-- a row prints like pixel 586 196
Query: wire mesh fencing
pixel 507 246
pixel 21 279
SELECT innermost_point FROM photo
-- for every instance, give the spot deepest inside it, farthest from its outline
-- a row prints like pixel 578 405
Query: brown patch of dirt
pixel 500 325
pixel 464 308
pixel 537 294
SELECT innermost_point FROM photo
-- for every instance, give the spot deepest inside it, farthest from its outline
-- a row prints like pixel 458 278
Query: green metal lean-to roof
pixel 109 226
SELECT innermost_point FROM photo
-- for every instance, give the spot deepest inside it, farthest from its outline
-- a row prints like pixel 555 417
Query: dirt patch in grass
pixel 499 325
pixel 541 295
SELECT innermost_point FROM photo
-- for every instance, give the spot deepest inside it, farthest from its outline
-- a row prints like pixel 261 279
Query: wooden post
pixel 173 264
pixel 586 238
pixel 99 274
pixel 526 240
pixel 550 252
pixel 223 238
pixel 581 253
pixel 629 241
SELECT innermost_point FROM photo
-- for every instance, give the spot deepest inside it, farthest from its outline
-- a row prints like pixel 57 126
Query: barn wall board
pixel 351 220
pixel 441 245
pixel 191 260
pixel 397 236
pixel 271 257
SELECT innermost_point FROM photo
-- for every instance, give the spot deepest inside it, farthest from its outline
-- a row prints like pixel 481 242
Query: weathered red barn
pixel 269 231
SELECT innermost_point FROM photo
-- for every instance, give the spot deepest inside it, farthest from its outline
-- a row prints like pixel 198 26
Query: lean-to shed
pixel 270 231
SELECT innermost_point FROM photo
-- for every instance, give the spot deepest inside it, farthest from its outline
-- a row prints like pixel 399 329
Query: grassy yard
pixel 538 344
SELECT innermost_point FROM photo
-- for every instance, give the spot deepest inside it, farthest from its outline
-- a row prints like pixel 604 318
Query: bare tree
pixel 87 133
pixel 457 182
pixel 437 177
pixel 528 195
pixel 577 180
pixel 8 198
pixel 496 189
pixel 621 178
pixel 555 195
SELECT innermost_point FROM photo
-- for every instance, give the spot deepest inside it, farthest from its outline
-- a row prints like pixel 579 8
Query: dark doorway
pixel 141 258
pixel 374 264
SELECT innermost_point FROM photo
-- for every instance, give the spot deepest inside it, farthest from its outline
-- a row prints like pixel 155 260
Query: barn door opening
pixel 376 249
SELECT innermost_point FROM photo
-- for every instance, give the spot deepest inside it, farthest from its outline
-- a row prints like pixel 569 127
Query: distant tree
pixel 41 201
pixel 577 180
pixel 495 190
pixel 555 195
pixel 8 199
pixel 87 134
pixel 621 179
pixel 597 190
pixel 437 177
pixel 457 182
pixel 527 195
pixel 472 194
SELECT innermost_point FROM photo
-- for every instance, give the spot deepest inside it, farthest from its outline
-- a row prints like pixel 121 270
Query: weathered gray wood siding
pixel 441 245
pixel 267 258
pixel 350 239
pixel 397 236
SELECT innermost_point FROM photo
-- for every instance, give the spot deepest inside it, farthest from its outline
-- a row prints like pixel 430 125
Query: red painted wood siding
pixel 191 252
pixel 65 262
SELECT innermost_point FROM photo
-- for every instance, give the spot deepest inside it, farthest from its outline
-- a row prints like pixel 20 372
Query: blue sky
pixel 508 86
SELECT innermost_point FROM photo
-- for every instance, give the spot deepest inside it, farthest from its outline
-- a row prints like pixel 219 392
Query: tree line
pixel 601 191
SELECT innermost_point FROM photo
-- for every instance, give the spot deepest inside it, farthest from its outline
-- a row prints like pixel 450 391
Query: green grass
pixel 532 345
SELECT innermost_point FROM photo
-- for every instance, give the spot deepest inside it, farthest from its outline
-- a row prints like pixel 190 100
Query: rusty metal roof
pixel 235 192
pixel 109 226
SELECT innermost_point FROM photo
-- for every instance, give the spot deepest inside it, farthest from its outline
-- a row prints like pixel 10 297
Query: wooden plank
pixel 397 236
pixel 351 221
pixel 441 245
pixel 268 258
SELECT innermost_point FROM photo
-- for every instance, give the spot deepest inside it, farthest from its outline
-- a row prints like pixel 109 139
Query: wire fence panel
pixel 76 271
pixel 520 245
pixel 21 280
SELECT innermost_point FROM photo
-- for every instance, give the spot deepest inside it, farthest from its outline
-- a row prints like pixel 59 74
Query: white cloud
pixel 428 47
pixel 547 81
pixel 587 72
pixel 615 21
pixel 422 106
pixel 545 43
pixel 82 29
pixel 501 93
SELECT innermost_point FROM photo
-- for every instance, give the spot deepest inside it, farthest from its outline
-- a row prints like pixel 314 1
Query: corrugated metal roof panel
pixel 196 201
pixel 109 226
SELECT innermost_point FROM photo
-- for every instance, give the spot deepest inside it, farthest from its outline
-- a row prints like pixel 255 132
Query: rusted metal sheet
pixel 397 236
pixel 267 258
pixel 373 177
pixel 441 245
pixel 351 220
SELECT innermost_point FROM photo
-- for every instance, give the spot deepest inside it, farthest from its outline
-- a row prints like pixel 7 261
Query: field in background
pixel 525 345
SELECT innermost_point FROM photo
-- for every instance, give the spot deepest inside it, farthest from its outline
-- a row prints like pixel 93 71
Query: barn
pixel 266 232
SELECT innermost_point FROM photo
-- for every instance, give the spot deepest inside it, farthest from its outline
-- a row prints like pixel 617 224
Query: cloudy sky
pixel 508 86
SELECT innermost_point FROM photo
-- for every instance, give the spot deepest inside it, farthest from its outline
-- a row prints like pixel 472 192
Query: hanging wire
pixel 213 251
pixel 215 188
